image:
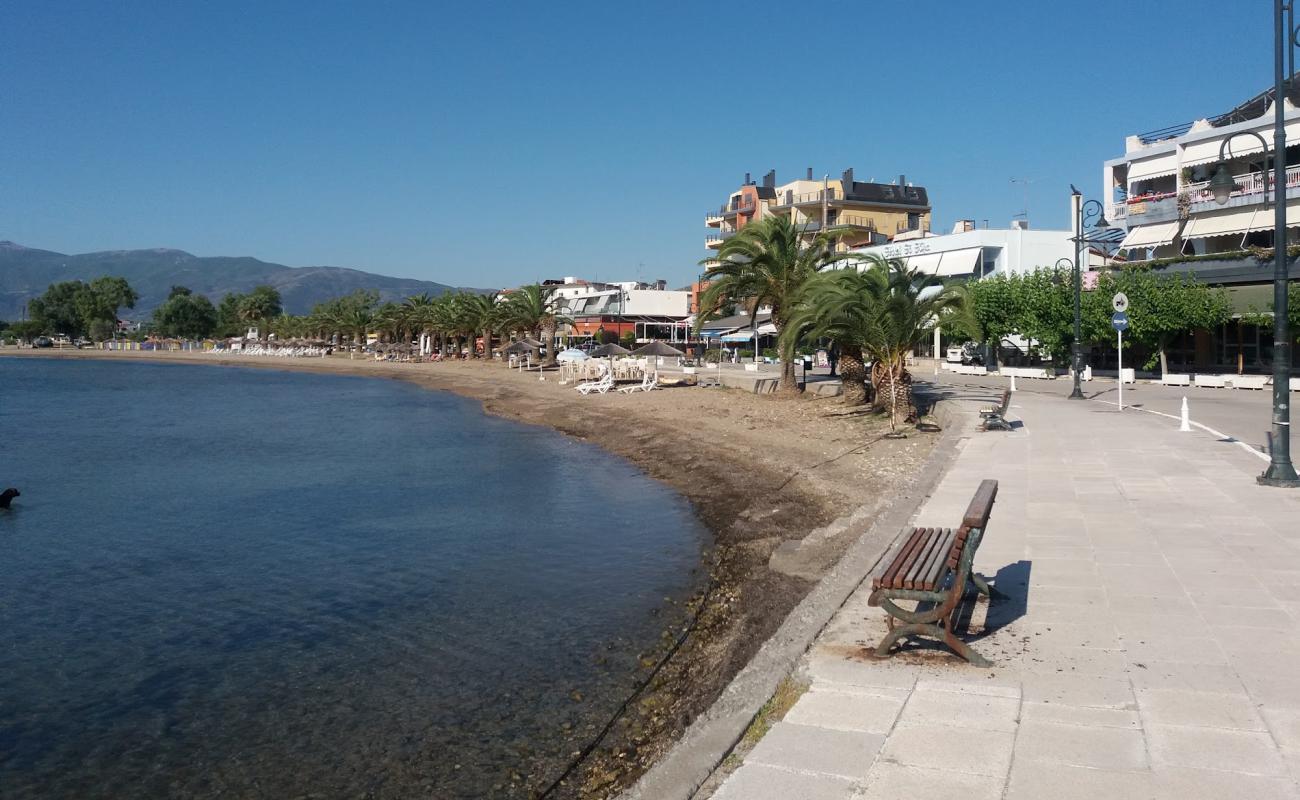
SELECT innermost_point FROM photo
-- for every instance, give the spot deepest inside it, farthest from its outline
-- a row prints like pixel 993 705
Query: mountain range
pixel 27 272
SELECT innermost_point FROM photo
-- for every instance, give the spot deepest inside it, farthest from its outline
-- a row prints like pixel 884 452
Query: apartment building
pixel 1159 193
pixel 863 213
pixel 1159 189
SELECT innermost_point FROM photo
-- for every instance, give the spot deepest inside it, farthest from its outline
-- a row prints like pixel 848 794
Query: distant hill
pixel 26 273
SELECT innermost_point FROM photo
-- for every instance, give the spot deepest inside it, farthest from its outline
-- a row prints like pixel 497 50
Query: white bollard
pixel 1185 425
pixel 1013 383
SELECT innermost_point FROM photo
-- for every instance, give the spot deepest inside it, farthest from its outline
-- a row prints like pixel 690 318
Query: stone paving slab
pixel 1146 643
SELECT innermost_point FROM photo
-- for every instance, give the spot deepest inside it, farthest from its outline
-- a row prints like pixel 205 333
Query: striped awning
pixel 1227 223
pixel 1153 167
pixel 960 262
pixel 926 262
pixel 1141 237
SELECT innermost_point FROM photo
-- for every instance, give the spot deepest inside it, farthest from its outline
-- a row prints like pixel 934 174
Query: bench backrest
pixel 976 518
pixel 1006 403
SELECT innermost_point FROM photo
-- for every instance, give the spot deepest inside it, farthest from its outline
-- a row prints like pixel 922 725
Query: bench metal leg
pixel 928 624
pixel 964 650
pixel 981 585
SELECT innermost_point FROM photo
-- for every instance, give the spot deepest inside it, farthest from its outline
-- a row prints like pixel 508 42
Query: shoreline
pixel 761 473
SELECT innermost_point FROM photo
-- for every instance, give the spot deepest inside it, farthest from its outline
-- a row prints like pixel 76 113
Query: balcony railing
pixel 839 221
pixel 1149 208
pixel 741 208
pixel 791 199
pixel 1252 188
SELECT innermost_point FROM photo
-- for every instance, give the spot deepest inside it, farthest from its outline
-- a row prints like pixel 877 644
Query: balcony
pixel 714 240
pixel 1148 209
pixel 1252 189
pixel 713 219
pixel 742 208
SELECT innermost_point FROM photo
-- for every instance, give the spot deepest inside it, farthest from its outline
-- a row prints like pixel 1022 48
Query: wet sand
pixel 759 470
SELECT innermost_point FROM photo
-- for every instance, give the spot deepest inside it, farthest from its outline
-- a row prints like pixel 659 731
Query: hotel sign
pixel 905 249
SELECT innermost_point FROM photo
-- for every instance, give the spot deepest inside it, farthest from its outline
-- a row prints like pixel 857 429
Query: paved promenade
pixel 1147 644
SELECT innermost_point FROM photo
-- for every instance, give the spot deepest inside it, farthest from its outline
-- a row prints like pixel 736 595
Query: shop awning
pixel 927 262
pixel 766 329
pixel 960 262
pixel 1153 167
pixel 1226 223
pixel 738 336
pixel 1143 236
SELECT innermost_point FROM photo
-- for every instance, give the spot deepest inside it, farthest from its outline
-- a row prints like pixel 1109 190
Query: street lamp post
pixel 1087 213
pixel 1280 471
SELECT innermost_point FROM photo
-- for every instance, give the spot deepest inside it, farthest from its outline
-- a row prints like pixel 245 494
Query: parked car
pixel 42 341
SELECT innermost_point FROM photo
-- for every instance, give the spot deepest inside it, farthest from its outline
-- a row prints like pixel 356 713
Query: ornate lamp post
pixel 1280 471
pixel 1087 214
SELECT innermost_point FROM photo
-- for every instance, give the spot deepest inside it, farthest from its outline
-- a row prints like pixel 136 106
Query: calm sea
pixel 243 583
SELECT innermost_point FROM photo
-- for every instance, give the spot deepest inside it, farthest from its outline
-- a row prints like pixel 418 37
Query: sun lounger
pixel 601 386
pixel 647 383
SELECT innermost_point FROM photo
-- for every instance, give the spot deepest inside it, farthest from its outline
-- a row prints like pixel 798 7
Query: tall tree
pixel 536 309
pixel 765 264
pixel 78 308
pixel 259 305
pixel 1163 307
pixel 186 315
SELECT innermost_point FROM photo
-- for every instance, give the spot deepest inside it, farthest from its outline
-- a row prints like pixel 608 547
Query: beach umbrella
pixel 656 349
pixel 571 355
pixel 521 347
pixel 609 351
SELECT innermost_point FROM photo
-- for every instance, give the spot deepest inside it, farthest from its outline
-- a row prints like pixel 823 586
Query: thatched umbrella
pixel 656 349
pixel 521 347
pixel 610 350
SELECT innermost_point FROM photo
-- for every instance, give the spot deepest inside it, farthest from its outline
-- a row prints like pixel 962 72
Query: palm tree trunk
pixel 853 375
pixel 548 339
pixel 787 383
pixel 487 343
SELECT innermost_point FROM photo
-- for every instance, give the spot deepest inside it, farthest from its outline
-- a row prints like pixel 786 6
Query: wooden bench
pixel 932 568
pixel 995 417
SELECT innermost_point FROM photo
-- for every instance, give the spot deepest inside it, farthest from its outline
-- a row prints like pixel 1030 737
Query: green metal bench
pixel 932 568
pixel 995 417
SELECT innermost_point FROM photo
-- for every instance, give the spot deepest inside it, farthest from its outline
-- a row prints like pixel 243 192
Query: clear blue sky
pixel 488 144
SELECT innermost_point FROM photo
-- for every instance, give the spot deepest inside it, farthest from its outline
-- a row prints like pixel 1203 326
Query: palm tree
pixel 357 320
pixel 485 314
pixel 830 307
pixel 419 312
pixel 394 321
pixel 898 309
pixel 764 264
pixel 536 310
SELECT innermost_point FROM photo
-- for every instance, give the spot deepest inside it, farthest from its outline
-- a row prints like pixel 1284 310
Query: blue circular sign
pixel 1119 321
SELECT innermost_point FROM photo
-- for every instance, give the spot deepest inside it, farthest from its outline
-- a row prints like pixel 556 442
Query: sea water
pixel 253 583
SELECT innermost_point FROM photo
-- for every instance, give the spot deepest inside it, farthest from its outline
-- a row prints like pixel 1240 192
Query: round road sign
pixel 1119 302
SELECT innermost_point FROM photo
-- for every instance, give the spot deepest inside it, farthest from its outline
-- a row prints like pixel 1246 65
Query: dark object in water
pixel 7 495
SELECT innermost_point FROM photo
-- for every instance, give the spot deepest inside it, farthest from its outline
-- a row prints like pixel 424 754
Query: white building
pixel 971 252
pixel 647 310
pixel 1158 190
